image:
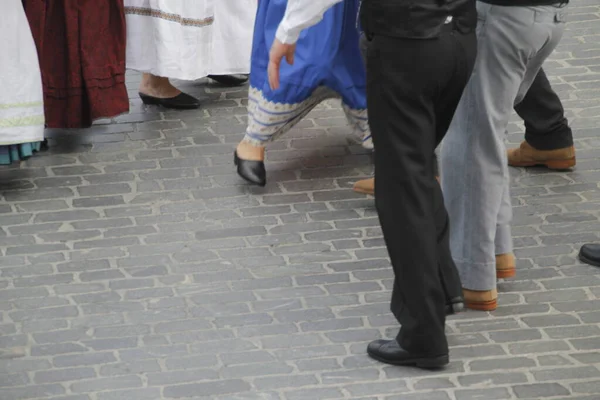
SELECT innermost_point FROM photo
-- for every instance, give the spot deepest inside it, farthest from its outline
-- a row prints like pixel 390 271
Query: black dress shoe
pixel 230 80
pixel 180 102
pixel 590 254
pixel 390 352
pixel 252 171
pixel 455 306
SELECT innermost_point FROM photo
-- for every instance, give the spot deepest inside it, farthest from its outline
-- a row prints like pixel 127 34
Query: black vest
pixel 526 3
pixel 416 19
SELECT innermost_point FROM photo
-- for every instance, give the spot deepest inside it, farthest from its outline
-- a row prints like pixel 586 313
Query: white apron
pixel 21 95
pixel 189 39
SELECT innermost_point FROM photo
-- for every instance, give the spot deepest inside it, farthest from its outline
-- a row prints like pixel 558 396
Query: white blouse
pixel 299 15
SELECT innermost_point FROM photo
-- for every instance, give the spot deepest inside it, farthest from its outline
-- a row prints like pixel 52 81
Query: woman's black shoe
pixel 230 80
pixel 252 171
pixel 180 102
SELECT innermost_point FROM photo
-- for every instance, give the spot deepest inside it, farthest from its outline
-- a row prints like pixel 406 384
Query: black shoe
pixel 390 352
pixel 455 306
pixel 590 254
pixel 252 171
pixel 180 102
pixel 230 80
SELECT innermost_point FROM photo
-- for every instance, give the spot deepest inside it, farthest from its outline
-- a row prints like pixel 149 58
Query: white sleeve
pixel 301 14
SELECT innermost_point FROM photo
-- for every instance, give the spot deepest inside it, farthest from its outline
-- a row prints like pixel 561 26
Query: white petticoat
pixel 190 39
pixel 21 95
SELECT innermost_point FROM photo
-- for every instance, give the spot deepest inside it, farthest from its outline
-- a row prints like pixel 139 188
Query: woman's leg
pixel 267 120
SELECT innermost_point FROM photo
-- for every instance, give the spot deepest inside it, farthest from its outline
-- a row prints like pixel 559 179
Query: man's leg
pixel 403 128
pixel 548 137
pixel 474 165
pixel 448 272
pixel 367 186
pixel 403 119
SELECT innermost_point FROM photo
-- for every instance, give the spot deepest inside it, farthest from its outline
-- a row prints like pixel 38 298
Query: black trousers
pixel 413 88
pixel 546 127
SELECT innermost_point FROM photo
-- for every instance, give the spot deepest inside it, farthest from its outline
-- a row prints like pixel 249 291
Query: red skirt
pixel 81 47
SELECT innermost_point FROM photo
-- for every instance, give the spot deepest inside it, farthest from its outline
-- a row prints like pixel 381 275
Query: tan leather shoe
pixel 505 266
pixel 486 300
pixel 527 156
pixel 366 186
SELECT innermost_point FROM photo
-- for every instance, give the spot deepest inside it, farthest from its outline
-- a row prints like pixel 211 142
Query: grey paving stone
pixel 64 375
pixel 566 373
pixel 540 390
pixel 130 394
pixel 101 384
pixel 376 388
pixel 501 364
pixel 491 393
pixel 32 392
pixel 141 246
pixel 310 394
pixel 127 368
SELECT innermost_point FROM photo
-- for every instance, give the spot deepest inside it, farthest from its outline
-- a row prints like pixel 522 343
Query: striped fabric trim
pixel 21 105
pixel 268 120
pixel 149 12
pixel 22 121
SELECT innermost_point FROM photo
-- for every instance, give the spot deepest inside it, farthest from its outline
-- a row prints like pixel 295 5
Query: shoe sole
pixel 506 273
pixel 151 101
pixel 588 261
pixel 363 191
pixel 550 164
pixel 228 81
pixel 372 192
pixel 490 305
pixel 424 363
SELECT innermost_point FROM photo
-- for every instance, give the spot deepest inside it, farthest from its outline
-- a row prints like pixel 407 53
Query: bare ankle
pixel 158 86
pixel 249 151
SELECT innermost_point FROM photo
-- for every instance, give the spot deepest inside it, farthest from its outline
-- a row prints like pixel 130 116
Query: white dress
pixel 189 39
pixel 21 95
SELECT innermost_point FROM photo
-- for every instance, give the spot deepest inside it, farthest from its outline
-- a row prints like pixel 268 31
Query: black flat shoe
pixel 230 80
pixel 180 102
pixel 590 254
pixel 252 171
pixel 390 352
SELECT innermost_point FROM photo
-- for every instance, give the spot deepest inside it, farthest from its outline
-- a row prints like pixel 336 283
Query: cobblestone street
pixel 137 265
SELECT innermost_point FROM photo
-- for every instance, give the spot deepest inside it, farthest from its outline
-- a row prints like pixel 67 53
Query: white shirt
pixel 299 15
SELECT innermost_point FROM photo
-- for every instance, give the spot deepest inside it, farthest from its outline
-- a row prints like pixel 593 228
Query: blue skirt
pixel 327 64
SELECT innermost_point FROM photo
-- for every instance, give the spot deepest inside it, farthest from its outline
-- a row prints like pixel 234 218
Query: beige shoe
pixel 486 300
pixel 505 266
pixel 527 156
pixel 366 186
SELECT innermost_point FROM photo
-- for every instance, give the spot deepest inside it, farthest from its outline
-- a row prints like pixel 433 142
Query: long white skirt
pixel 21 95
pixel 190 39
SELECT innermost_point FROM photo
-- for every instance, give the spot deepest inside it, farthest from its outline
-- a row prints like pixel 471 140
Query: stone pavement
pixel 136 265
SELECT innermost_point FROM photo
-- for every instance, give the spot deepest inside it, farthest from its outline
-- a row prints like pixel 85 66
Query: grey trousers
pixel 513 43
